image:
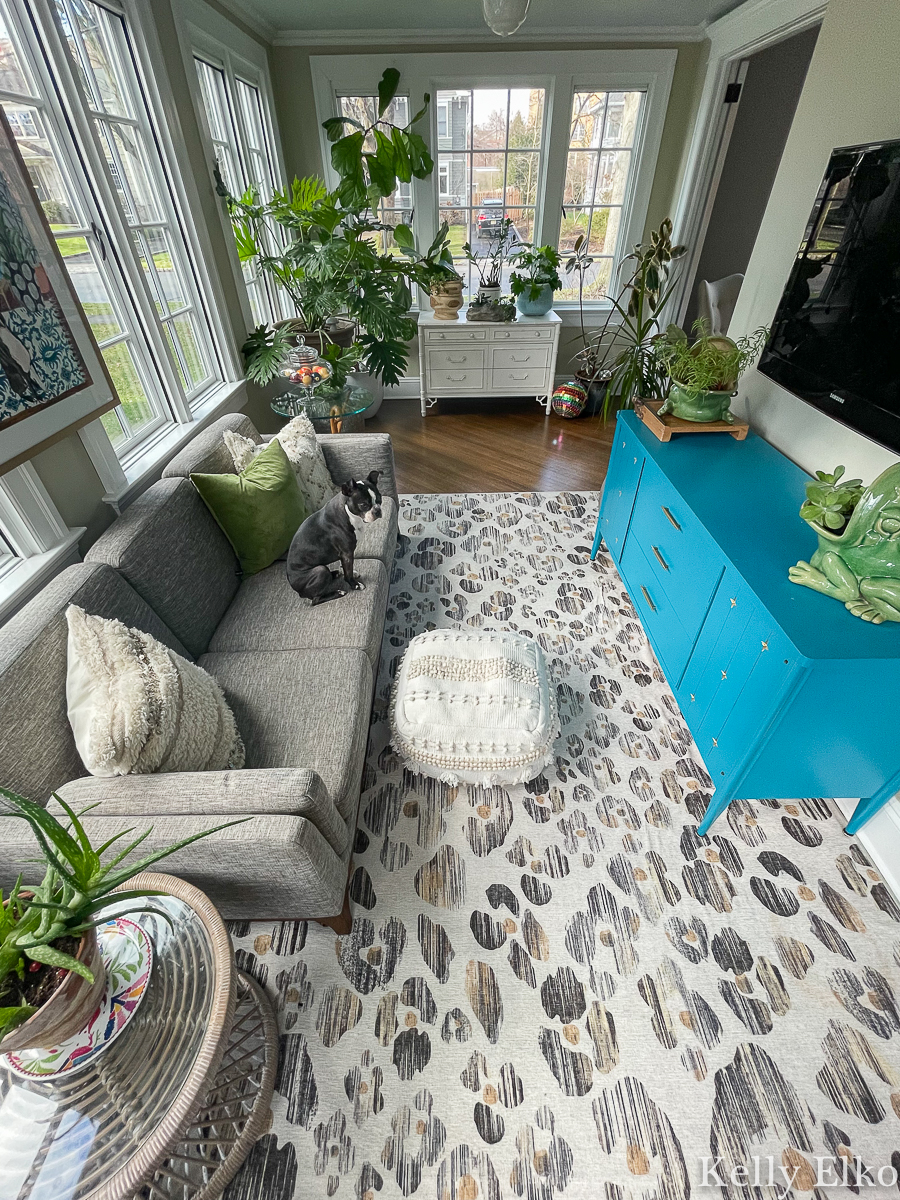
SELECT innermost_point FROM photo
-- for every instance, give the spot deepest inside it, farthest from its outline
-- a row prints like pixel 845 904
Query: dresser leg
pixel 717 806
pixel 869 805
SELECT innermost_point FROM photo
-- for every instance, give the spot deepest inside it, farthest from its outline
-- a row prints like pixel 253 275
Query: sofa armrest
pixel 268 868
pixel 354 455
pixel 212 796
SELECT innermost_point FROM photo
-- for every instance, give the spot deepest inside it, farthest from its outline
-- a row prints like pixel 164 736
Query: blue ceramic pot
pixel 536 308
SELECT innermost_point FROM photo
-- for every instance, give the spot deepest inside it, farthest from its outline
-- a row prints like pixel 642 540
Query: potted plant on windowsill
pixel 51 972
pixel 617 364
pixel 322 248
pixel 703 375
pixel 535 278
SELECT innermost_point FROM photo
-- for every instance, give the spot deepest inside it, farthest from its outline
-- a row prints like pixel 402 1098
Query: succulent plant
pixel 831 499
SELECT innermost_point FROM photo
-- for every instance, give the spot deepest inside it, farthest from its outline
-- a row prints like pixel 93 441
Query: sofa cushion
pixel 219 795
pixel 354 455
pixel 378 539
pixel 170 549
pixel 37 749
pixel 267 614
pixel 302 708
pixel 207 451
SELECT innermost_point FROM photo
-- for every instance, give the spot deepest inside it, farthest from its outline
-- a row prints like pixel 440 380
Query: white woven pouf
pixel 474 708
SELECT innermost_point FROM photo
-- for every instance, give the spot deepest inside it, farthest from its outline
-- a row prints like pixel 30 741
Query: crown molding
pixel 573 35
pixel 247 12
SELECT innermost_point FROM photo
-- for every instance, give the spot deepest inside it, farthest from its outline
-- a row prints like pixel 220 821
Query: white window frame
pixel 561 74
pixel 213 37
pixel 40 541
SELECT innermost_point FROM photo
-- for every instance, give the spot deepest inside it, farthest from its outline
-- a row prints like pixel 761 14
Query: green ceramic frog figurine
pixel 861 564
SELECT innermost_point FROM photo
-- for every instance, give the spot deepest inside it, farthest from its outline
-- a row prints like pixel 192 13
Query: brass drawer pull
pixel 671 518
pixel 647 597
pixel 662 562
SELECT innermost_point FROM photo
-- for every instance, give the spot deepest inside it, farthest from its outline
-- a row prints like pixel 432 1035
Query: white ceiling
pixel 289 19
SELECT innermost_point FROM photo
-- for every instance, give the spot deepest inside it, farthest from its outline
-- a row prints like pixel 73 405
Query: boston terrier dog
pixel 329 535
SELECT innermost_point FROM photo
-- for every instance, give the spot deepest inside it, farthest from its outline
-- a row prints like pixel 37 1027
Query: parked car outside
pixel 490 217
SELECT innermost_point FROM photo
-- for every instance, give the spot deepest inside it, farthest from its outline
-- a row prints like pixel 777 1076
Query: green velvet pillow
pixel 260 510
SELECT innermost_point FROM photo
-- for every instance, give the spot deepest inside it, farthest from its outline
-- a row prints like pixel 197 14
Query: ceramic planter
pixel 702 408
pixel 341 333
pixel 447 299
pixel 536 308
pixel 492 293
pixel 69 1007
pixel 372 384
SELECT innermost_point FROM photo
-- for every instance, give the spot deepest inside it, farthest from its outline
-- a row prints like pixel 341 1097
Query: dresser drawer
pixel 519 379
pixel 459 379
pixel 522 334
pixel 520 356
pixel 657 613
pixel 682 555
pixel 461 333
pixel 450 360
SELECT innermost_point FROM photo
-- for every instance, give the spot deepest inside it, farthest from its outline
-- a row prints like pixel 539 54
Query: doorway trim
pixel 733 38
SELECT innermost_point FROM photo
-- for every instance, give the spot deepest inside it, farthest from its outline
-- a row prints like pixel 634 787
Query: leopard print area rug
pixel 560 989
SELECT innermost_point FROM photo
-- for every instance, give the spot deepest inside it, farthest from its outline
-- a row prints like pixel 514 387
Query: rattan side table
pixel 172 1107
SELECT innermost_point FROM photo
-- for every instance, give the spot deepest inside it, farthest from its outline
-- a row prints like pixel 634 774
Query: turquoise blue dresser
pixel 787 694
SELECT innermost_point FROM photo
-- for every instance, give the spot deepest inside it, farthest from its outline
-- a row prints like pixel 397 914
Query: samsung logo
pixel 834 396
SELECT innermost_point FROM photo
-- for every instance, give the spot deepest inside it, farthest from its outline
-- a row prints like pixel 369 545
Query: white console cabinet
pixel 487 358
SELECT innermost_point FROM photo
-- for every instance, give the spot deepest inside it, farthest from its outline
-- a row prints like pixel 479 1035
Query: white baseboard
pixel 409 388
pixel 880 838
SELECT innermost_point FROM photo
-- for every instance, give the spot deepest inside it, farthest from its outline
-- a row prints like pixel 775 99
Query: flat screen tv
pixel 835 341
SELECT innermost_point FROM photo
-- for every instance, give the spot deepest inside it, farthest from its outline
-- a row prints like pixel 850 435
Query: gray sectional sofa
pixel 299 679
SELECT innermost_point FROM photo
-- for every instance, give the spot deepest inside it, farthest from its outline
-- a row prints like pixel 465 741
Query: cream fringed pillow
pixel 136 707
pixel 298 440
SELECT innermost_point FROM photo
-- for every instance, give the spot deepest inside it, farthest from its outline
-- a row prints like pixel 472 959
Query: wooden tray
pixel 663 427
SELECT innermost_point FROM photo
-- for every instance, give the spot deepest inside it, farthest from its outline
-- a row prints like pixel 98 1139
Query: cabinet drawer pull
pixel 647 597
pixel 520 358
pixel 512 376
pixel 671 518
pixel 461 359
pixel 458 378
pixel 662 562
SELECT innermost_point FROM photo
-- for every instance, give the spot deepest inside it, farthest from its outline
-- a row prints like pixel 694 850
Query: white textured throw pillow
pixel 137 707
pixel 298 440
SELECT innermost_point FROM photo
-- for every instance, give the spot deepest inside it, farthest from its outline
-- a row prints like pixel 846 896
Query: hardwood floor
pixel 493 446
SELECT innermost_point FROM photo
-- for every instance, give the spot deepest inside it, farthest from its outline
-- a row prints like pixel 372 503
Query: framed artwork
pixel 52 375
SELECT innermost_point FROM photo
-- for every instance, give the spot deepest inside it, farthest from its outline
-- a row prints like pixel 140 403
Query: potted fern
pixel 51 972
pixel 704 373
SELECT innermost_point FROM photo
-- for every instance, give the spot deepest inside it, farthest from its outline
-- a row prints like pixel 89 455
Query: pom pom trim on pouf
pixel 569 399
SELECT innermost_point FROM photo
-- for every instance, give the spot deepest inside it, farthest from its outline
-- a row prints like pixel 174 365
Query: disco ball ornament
pixel 569 400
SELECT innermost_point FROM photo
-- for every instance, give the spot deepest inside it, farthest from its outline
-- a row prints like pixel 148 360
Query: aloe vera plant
pixel 77 885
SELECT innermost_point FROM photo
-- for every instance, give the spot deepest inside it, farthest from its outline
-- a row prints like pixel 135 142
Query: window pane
pixel 30 132
pixel 526 118
pixel 90 289
pixel 13 75
pixel 135 402
pixel 185 349
pixel 522 178
pixel 152 246
pixel 125 158
pixel 215 99
pixel 95 53
pixel 490 116
pixel 598 175
pixel 113 427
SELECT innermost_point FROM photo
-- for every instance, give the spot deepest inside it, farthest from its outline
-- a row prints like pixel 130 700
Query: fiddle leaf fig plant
pixel 77 885
pixel 831 499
